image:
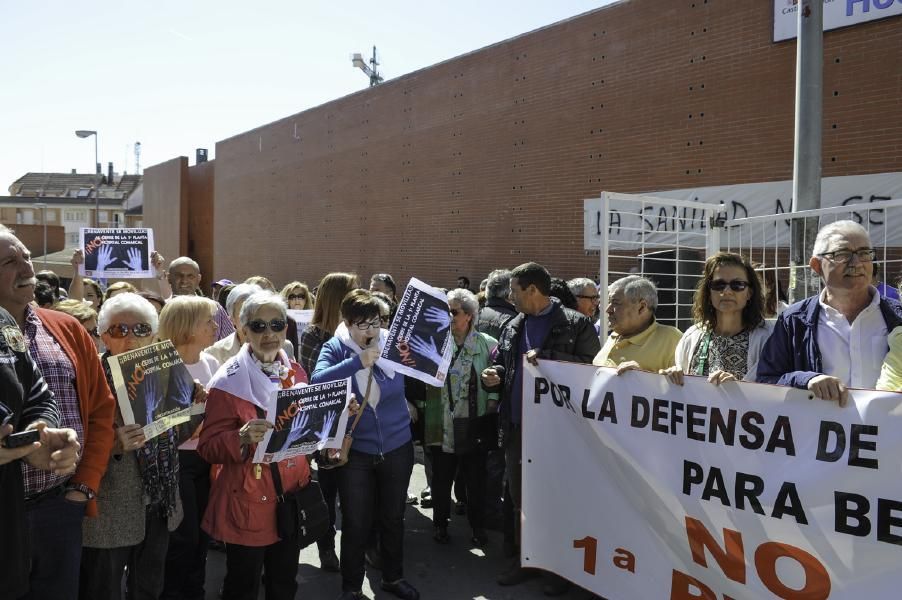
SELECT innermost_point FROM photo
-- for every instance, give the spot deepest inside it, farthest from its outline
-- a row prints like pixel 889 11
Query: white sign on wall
pixel 651 223
pixel 837 13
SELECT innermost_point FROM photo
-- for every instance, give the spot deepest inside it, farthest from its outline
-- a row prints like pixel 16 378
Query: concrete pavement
pixel 440 572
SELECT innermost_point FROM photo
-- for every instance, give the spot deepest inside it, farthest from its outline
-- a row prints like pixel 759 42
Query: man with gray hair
pixel 637 340
pixel 497 310
pixel 184 280
pixel 836 339
pixel 587 298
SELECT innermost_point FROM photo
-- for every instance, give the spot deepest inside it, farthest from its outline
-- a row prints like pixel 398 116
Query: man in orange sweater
pixel 66 356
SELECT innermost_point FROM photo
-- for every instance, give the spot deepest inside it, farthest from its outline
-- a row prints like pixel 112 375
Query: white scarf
pixel 362 376
pixel 242 376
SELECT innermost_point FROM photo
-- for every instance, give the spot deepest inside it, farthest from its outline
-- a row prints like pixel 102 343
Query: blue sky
pixel 181 75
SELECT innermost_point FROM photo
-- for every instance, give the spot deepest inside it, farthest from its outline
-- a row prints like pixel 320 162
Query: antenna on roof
pixel 371 70
pixel 137 158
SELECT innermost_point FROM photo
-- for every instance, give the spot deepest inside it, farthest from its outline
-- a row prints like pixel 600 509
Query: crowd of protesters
pixel 95 508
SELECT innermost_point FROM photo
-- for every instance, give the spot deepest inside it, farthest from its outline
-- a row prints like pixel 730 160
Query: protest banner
pixel 419 341
pixel 301 318
pixel 636 488
pixel 120 253
pixel 154 388
pixel 305 419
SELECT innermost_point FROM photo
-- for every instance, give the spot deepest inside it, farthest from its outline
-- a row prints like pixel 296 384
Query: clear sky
pixel 180 75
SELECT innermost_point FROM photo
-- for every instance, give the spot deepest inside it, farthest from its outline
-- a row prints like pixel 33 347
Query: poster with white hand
pixel 118 253
pixel 419 342
pixel 305 419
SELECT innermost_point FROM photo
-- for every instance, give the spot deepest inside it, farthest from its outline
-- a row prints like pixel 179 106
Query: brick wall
pixel 200 219
pixel 484 160
pixel 166 206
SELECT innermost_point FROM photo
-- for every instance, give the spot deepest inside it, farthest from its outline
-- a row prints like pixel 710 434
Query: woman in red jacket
pixel 242 507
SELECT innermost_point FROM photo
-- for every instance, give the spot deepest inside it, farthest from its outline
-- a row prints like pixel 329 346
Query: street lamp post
pixel 83 133
pixel 43 207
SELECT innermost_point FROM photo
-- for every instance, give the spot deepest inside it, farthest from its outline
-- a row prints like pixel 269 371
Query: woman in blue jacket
pixel 373 484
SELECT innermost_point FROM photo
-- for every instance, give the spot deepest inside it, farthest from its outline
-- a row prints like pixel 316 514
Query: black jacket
pixel 23 391
pixel 494 316
pixel 572 338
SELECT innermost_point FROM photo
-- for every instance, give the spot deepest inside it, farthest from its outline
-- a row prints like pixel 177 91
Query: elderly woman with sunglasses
pixel 242 506
pixel 373 484
pixel 138 500
pixel 461 400
pixel 297 296
pixel 730 330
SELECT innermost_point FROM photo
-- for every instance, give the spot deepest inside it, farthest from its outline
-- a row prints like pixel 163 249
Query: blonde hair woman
pixel 297 296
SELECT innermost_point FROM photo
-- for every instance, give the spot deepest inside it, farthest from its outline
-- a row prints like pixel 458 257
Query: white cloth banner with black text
pixel 636 488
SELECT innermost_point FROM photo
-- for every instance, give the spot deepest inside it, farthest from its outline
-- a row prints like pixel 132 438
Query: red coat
pixel 242 508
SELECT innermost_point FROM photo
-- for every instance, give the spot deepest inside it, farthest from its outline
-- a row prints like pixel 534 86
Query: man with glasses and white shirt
pixel 837 339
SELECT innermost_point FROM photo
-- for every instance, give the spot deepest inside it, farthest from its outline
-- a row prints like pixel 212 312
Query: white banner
pixel 837 13
pixel 628 222
pixel 635 488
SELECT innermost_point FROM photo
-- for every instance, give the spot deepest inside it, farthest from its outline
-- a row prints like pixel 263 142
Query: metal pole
pixel 44 219
pixel 806 178
pixel 97 186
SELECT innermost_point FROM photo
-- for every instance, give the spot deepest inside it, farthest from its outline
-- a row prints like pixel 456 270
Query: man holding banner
pixel 543 329
pixel 837 339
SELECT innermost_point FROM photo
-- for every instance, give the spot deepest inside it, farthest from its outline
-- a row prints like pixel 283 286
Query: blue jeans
pixel 54 526
pixel 373 490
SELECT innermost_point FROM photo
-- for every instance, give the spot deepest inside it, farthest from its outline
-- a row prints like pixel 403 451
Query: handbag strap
pixel 366 396
pixel 703 354
pixel 277 481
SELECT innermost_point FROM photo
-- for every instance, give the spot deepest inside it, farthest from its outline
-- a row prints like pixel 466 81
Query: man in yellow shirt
pixel 638 341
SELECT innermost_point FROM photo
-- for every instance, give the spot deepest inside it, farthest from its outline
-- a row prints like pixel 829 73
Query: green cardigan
pixel 433 407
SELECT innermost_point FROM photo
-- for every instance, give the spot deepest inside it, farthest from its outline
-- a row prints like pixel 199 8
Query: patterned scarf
pixel 158 462
pixel 459 377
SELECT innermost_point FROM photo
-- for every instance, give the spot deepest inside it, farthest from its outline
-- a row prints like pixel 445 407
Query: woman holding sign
pixel 373 483
pixel 242 507
pixel 457 430
pixel 729 332
pixel 138 500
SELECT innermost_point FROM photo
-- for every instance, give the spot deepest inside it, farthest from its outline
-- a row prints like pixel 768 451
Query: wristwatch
pixel 80 487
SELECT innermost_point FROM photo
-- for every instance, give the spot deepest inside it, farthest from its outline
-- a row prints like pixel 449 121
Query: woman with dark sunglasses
pixel 373 484
pixel 729 332
pixel 138 499
pixel 242 506
pixel 297 296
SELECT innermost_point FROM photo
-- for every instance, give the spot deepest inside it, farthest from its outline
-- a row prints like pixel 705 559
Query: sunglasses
pixel 93 332
pixel 719 285
pixel 120 330
pixel 259 326
pixel 297 296
pixel 454 312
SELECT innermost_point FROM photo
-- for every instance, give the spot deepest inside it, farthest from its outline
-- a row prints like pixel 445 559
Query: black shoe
pixel 328 561
pixel 412 500
pixel 426 502
pixel 480 538
pixel 349 595
pixel 516 575
pixel 401 589
pixel 440 534
pixel 373 559
pixel 555 586
pixel 427 491
pixel 460 508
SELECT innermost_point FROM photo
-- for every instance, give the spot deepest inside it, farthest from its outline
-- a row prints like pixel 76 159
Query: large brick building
pixel 484 160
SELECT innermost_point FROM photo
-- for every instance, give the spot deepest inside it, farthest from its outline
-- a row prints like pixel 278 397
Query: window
pixel 72 239
pixel 76 215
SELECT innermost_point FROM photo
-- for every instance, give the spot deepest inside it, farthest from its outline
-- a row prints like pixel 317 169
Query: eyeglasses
pixel 592 298
pixel 259 325
pixel 93 332
pixel 120 330
pixel 719 285
pixel 364 325
pixel 297 296
pixel 843 256
pixel 454 312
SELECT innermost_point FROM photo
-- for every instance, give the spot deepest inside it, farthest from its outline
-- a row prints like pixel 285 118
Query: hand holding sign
pixel 134 259
pixel 104 257
pixel 437 316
